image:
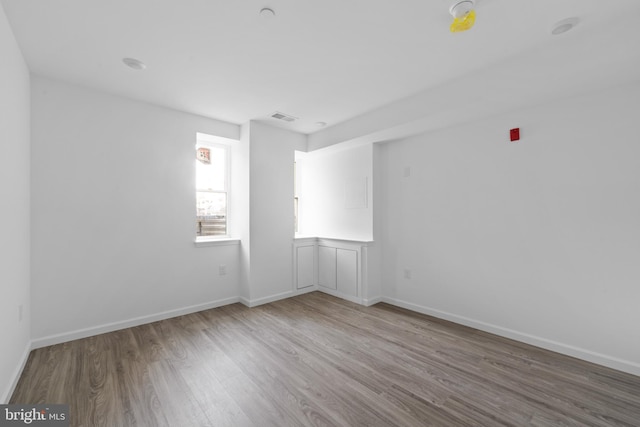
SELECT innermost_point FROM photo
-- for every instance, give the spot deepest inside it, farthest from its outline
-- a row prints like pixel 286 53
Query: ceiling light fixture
pixel 267 12
pixel 321 124
pixel 565 25
pixel 135 64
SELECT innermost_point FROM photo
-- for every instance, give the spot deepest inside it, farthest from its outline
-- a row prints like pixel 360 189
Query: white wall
pixel 374 265
pixel 335 193
pixel 240 201
pixel 14 215
pixel 592 58
pixel 113 213
pixel 537 240
pixel 272 223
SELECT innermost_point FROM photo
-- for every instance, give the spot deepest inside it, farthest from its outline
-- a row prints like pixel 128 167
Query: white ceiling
pixel 328 60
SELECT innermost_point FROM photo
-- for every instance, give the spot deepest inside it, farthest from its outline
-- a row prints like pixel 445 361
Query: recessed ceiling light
pixel 135 64
pixel 267 12
pixel 321 124
pixel 564 26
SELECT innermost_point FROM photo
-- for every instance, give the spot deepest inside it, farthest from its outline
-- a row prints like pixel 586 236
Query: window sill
pixel 202 242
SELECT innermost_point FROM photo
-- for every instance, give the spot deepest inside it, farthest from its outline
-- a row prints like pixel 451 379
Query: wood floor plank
pixel 365 366
pixel 316 360
pixel 212 398
pixel 324 398
pixel 272 379
pixel 134 384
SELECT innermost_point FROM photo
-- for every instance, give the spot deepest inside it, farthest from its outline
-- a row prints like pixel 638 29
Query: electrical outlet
pixel 20 310
pixel 222 270
pixel 407 273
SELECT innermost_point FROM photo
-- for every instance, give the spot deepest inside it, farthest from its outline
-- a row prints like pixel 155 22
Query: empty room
pixel 305 213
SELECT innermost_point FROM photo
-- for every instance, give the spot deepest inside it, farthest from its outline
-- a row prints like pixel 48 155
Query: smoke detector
pixel 464 15
pixel 564 25
pixel 460 8
pixel 134 63
pixel 281 116
pixel 267 13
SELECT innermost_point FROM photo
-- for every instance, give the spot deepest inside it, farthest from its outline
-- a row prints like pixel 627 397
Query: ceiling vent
pixel 282 116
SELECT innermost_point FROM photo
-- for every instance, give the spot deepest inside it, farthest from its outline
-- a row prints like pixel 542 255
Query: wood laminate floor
pixel 318 360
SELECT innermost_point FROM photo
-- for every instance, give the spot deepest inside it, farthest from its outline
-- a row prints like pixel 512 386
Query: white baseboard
pixel 569 350
pixel 277 297
pixel 16 374
pixel 266 300
pixel 110 327
pixel 371 301
pixel 338 294
pixel 590 356
pixel 306 290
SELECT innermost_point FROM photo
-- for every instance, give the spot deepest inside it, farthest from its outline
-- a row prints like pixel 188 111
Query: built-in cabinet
pixel 327 267
pixel 338 269
pixel 332 266
pixel 347 271
pixel 305 266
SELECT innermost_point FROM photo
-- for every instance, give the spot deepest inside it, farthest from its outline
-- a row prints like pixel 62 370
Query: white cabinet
pixel 338 269
pixel 334 266
pixel 327 267
pixel 305 266
pixel 347 271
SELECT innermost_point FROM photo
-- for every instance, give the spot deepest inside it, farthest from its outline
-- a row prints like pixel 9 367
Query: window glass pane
pixel 212 176
pixel 211 217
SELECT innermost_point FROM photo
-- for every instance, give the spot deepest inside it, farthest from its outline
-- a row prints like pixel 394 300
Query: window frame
pixel 203 142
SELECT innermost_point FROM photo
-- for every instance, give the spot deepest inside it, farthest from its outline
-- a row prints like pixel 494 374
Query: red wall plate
pixel 515 134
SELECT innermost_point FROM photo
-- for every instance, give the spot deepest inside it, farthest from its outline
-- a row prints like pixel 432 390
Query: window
pixel 212 187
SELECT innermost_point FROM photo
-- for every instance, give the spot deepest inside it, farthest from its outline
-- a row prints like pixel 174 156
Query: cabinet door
pixel 304 266
pixel 327 267
pixel 347 271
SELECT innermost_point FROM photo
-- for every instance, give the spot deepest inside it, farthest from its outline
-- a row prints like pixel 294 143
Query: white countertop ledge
pixel 219 241
pixel 339 239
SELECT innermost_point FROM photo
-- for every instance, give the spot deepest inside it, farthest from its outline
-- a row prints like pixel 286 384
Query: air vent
pixel 282 116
